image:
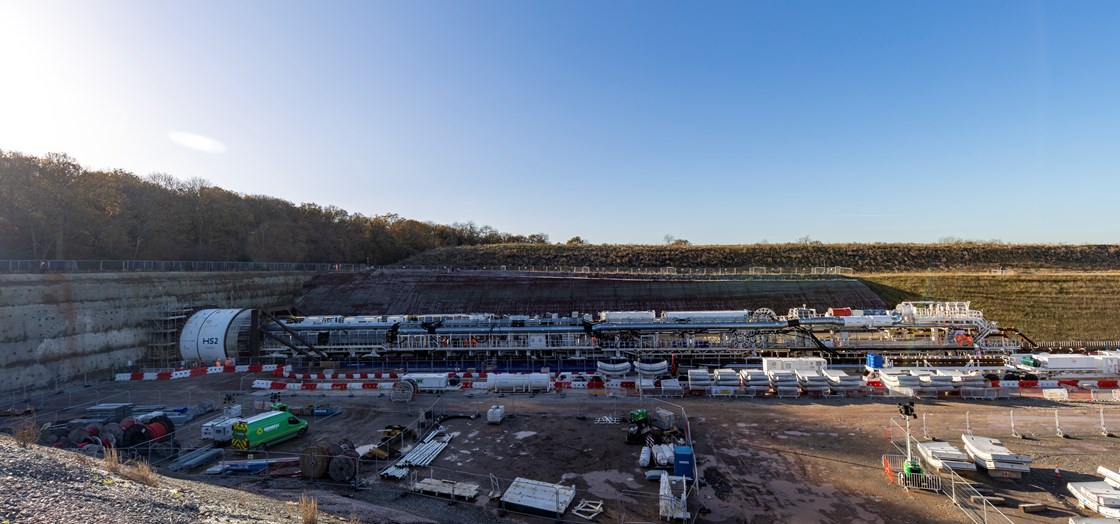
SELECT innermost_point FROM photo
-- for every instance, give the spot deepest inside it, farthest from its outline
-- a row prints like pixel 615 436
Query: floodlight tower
pixel 910 466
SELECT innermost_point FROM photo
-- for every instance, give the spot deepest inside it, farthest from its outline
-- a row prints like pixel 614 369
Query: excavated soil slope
pixel 1046 306
pixel 405 291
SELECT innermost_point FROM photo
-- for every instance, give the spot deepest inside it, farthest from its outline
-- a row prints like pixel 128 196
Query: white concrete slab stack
pixel 538 497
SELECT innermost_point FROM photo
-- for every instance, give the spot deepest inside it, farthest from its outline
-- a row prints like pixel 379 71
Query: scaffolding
pixel 163 333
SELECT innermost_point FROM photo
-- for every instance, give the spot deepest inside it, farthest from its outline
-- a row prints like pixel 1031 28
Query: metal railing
pixel 759 272
pixel 1080 344
pixel 919 481
pixel 103 266
pixel 974 505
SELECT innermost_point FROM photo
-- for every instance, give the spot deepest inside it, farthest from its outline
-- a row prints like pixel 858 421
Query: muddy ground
pixel 760 460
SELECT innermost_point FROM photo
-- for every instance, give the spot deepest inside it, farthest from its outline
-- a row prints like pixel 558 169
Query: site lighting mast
pixel 907 412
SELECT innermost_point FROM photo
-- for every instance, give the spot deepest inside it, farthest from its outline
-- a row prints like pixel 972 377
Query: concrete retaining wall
pixel 63 325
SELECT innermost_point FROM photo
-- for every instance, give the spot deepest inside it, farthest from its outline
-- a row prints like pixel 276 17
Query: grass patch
pixel 308 509
pixel 1047 307
pixel 138 471
pixel 26 432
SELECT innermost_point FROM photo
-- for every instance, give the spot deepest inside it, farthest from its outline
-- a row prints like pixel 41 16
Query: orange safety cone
pixel 1057 473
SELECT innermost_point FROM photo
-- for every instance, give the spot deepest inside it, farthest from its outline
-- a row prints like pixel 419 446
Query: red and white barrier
pixel 194 372
pixel 341 376
pixel 320 386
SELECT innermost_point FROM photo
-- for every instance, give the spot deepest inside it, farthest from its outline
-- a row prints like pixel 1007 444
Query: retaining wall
pixel 57 326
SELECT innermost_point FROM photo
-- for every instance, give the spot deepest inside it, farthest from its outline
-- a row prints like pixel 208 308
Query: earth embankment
pixel 411 292
pixel 1045 306
pixel 785 258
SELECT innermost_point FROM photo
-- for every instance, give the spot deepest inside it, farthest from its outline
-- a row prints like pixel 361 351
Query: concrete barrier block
pixel 995 501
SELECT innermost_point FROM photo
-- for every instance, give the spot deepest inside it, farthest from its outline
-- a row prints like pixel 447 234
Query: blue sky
pixel 621 122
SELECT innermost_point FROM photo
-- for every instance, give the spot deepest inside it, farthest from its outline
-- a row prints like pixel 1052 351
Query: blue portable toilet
pixel 683 461
pixel 874 361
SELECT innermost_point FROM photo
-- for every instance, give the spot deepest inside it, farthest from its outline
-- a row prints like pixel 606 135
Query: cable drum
pixel 403 391
pixel 344 467
pixel 314 460
pixel 108 440
pixel 78 435
pixel 113 429
pixel 156 429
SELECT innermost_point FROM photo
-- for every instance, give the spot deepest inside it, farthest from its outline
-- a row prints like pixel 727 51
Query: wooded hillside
pixel 53 208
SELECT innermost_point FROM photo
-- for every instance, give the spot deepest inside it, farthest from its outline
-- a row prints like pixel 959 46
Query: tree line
pixel 51 207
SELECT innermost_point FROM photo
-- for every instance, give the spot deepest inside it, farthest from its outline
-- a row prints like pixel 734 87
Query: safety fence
pixel 978 508
pixel 619 505
pixel 578 382
pixel 975 506
pixel 1079 344
pixel 1080 421
pixel 767 272
pixel 103 266
pixel 625 505
pixel 55 384
pixel 175 374
pixel 100 266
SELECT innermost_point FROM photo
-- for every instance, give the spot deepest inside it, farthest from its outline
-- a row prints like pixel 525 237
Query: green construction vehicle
pixel 639 428
pixel 260 431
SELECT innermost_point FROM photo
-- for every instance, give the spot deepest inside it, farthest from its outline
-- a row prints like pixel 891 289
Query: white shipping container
pixel 428 381
pixel 1069 361
pixel 219 430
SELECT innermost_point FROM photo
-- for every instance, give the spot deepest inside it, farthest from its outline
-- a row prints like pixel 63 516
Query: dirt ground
pixel 760 460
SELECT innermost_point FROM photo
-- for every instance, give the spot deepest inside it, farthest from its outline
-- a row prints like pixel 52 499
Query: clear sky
pixel 621 122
